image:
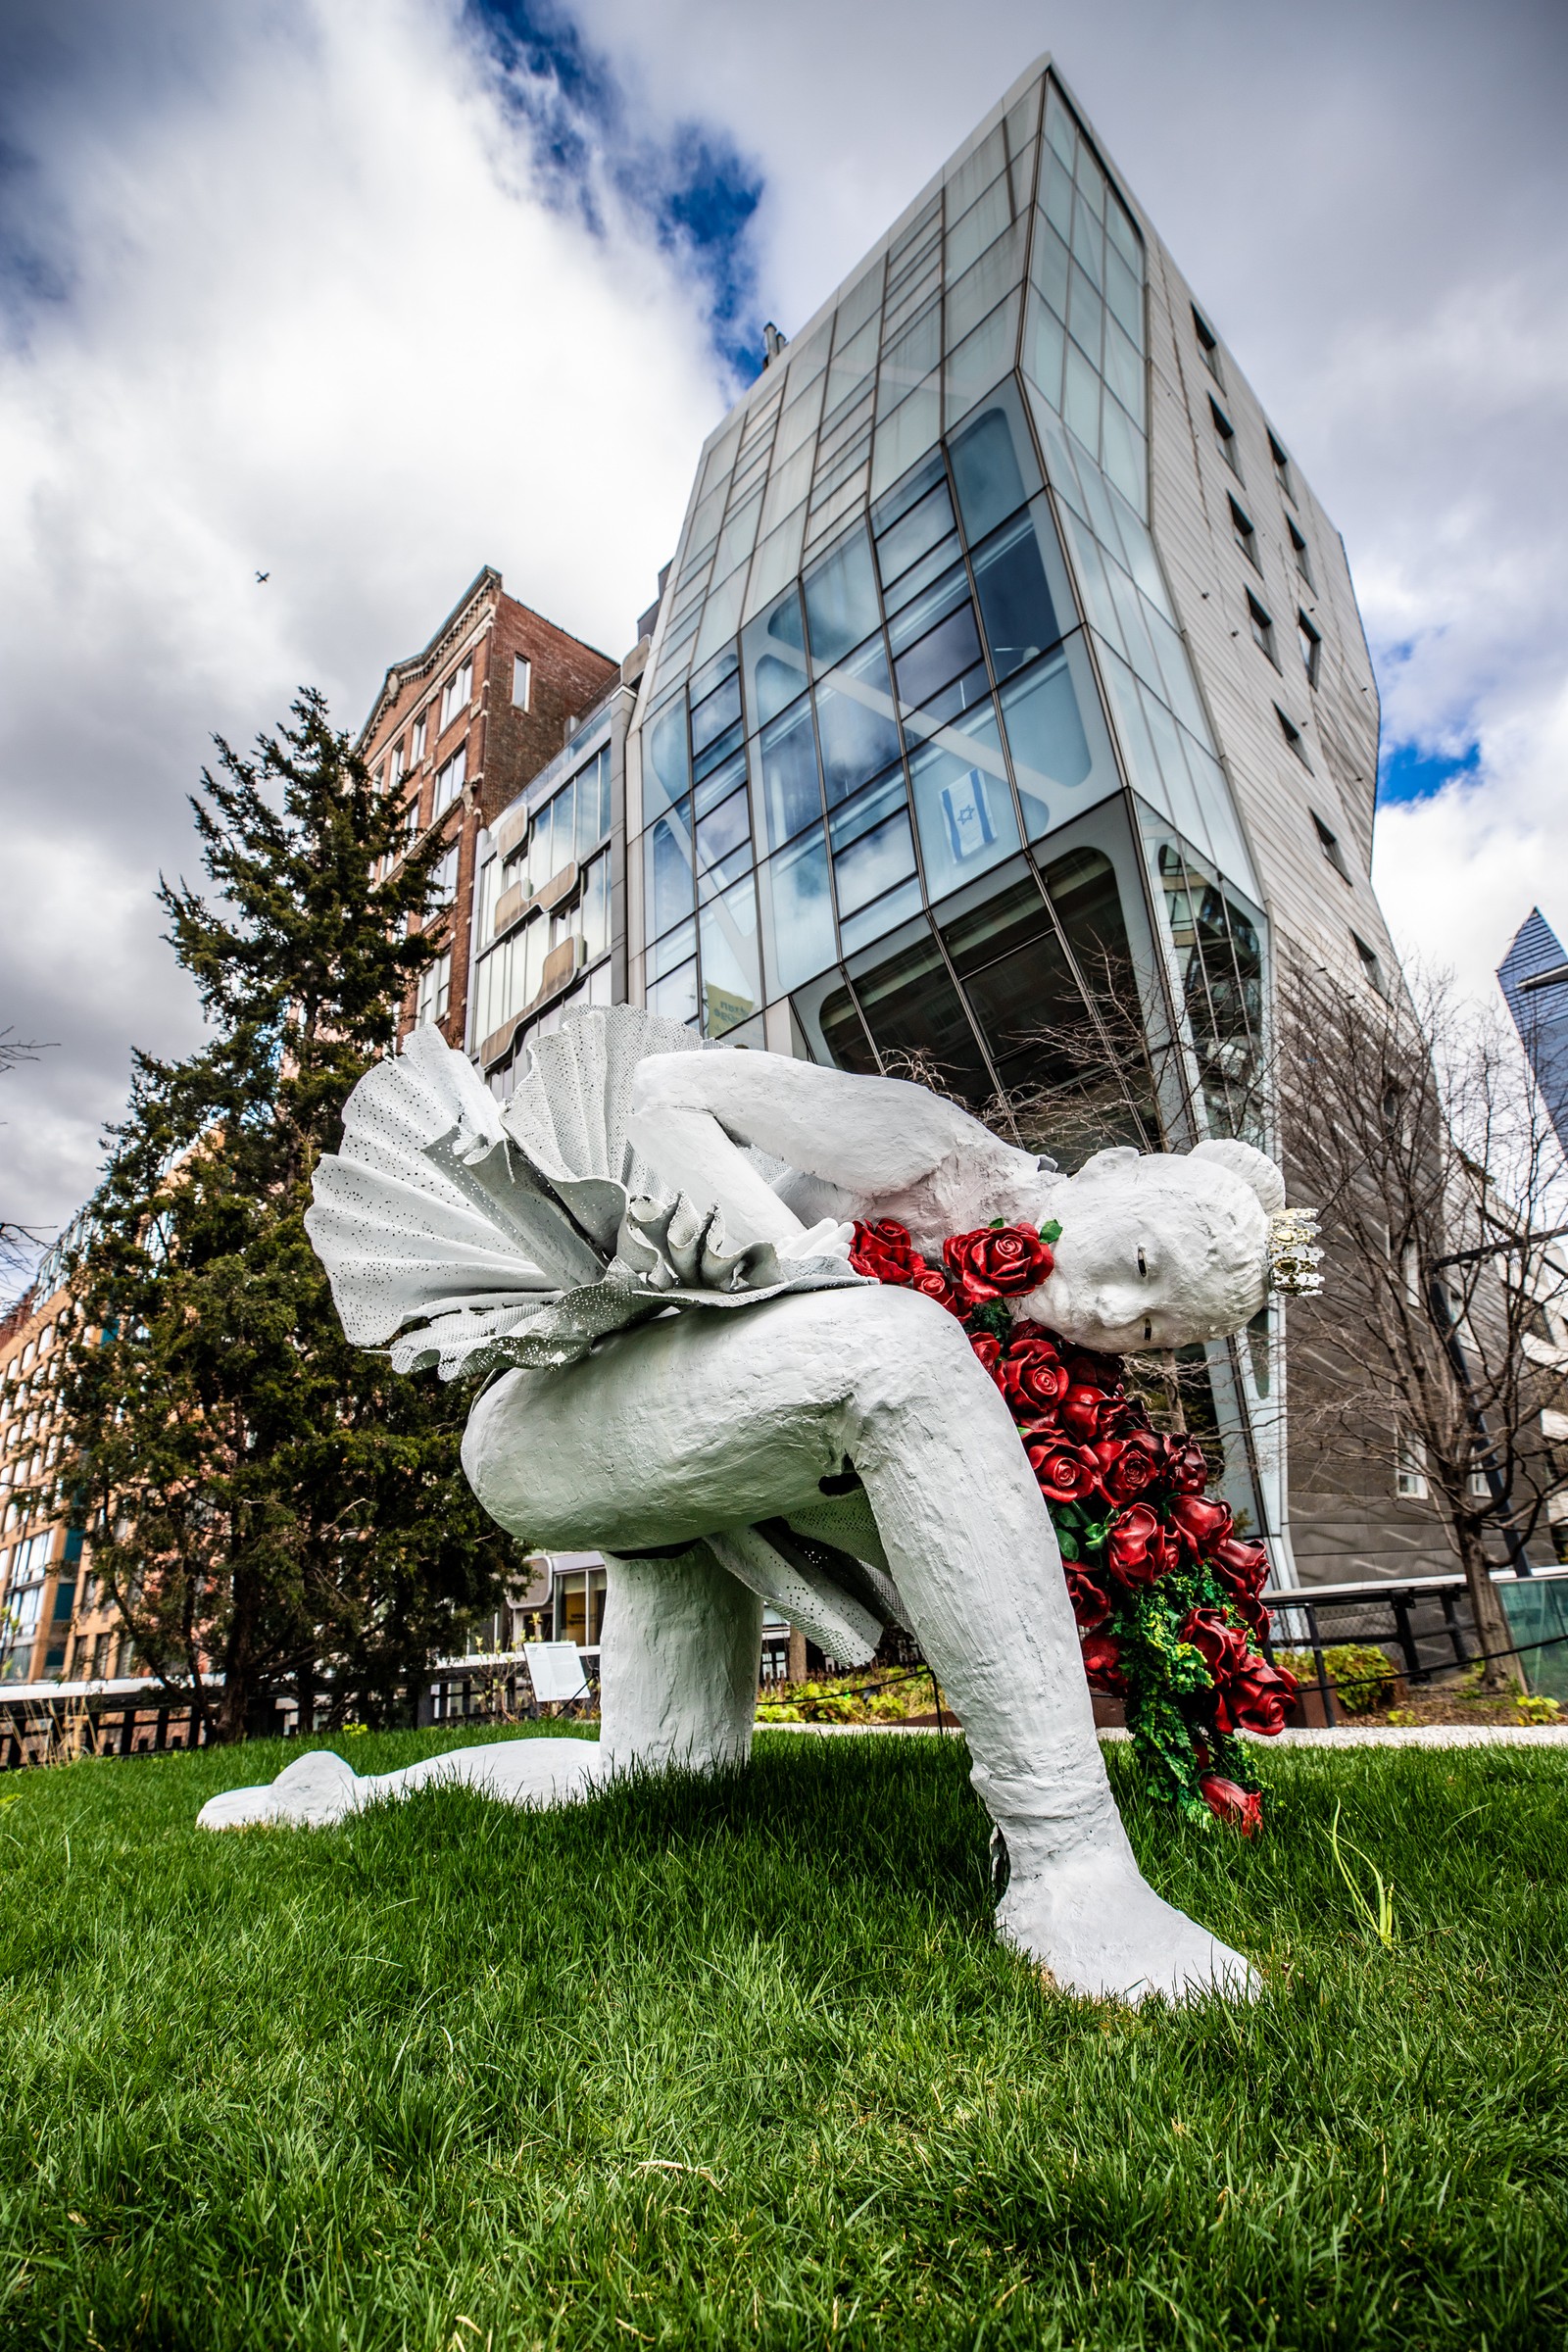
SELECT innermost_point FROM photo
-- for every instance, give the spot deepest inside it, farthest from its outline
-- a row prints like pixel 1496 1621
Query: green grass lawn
pixel 739 2063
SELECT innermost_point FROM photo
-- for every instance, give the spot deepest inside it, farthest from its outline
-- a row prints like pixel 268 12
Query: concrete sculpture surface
pixel 648 1247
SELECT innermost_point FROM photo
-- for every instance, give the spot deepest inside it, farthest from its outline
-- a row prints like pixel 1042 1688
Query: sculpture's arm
pixel 872 1137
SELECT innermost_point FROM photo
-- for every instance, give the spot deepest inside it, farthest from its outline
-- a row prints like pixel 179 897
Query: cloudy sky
pixel 367 293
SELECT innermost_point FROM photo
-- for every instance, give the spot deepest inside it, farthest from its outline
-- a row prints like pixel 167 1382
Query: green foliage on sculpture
pixel 260 1496
pixel 1164 1595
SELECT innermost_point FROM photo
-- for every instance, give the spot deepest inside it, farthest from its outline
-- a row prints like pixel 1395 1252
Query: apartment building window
pixel 421 728
pixel 1245 536
pixel 1329 842
pixel 1311 645
pixel 435 999
pixel 410 818
pixel 1371 965
pixel 1282 466
pixel 455 695
pixel 450 778
pixel 1304 562
pixel 1262 628
pixel 444 878
pixel 1293 736
pixel 395 766
pixel 1410 1471
pixel 1225 436
pixel 521 682
pixel 1207 344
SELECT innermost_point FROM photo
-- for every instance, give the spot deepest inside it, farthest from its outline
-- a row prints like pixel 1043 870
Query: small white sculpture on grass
pixel 649 1245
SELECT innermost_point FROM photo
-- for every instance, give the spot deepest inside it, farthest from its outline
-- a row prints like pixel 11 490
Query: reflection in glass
pixel 1015 600
pixel 791 793
pixel 1046 736
pixel 720 783
pixel 911 1006
pixel 732 983
pixel 674 998
pixel 988 469
pixel 673 949
pixel 872 844
pixel 840 600
pixel 949 650
pixel 854 723
pixel 665 755
pixel 911 620
pixel 921 527
pixel 724 842
pixel 963 802
pixel 977 365
pixel 797 914
pixel 773 654
pixel 883 916
pixel 668 850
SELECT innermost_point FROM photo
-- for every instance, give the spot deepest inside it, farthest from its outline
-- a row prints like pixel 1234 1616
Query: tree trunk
pixel 305 1694
pixel 1502 1673
pixel 239 1656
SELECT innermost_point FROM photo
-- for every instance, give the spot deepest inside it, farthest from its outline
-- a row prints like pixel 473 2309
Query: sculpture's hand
pixel 828 1239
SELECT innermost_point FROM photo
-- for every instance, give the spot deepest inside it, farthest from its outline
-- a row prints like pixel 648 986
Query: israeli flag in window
pixel 966 806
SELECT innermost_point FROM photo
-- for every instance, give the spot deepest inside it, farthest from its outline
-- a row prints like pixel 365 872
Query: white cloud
pixel 320 321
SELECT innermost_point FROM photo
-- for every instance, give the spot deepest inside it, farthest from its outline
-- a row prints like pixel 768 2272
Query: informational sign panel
pixel 555 1671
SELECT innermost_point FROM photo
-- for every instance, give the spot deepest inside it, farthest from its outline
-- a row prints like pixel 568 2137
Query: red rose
pixel 1066 1473
pixel 885 1251
pixel 1244 1566
pixel 1186 1468
pixel 988 1351
pixel 1081 1409
pixel 1255 1698
pixel 1130 1465
pixel 997 1262
pixel 1032 1377
pixel 1088 1371
pixel 1222 1646
pixel 1136 1550
pixel 1090 1605
pixel 1202 1523
pixel 1123 1417
pixel 934 1284
pixel 1242 1807
pixel 1103 1664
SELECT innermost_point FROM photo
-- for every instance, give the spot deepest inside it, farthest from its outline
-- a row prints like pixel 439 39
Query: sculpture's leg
pixel 679 1659
pixel 711 1420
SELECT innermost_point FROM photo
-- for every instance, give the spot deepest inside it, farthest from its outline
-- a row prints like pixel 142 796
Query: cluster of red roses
pixel 1128 1503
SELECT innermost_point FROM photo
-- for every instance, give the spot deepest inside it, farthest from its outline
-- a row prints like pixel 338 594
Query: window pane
pixel 666 756
pixel 773 650
pixel 720 783
pixel 883 916
pixel 876 859
pixel 1046 737
pixel 844 1033
pixel 978 291
pixel 1015 600
pixel 1016 978
pixel 718 710
pixel 910 1005
pixel 797 914
pixel 1044 346
pixel 854 723
pixel 790 792
pixel 675 948
pixel 669 870
pixel 991 460
pixel 926 523
pixel 925 610
pixel 1049 267
pixel 963 802
pixel 977 365
pixel 840 600
pixel 1081 400
pixel 724 841
pixel 674 999
pixel 949 648
pixel 732 983
pixel 596 910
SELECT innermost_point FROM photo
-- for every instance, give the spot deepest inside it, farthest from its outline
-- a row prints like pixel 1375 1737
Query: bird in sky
pixel 262 575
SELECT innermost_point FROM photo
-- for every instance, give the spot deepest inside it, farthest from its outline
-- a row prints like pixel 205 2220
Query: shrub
pixel 1365 1677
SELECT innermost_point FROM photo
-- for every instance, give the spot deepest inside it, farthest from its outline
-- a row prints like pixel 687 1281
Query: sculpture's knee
pixel 912 1366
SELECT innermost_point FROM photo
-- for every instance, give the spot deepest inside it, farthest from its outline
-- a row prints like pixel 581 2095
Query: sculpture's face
pixel 1155 1252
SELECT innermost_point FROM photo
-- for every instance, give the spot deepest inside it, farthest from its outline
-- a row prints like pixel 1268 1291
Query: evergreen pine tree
pixel 257 1494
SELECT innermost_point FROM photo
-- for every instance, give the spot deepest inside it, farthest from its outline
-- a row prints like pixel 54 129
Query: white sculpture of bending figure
pixel 834 1446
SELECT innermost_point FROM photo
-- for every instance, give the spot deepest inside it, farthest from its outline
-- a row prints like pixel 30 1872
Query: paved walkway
pixel 1373 1734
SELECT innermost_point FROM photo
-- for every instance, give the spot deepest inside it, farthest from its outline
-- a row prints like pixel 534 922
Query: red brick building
pixel 457 731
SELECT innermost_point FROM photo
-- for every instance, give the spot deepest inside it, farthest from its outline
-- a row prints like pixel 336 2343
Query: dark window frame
pixel 1261 623
pixel 1329 844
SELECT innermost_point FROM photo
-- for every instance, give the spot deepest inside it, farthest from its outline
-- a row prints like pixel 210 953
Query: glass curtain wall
pixel 875 699
pixel 551 889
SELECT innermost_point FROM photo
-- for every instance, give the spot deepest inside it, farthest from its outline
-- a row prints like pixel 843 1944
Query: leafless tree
pixel 18 1244
pixel 1410 1123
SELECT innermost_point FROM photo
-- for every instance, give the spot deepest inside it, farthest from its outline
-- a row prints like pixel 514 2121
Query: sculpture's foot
pixel 320 1789
pixel 1093 1924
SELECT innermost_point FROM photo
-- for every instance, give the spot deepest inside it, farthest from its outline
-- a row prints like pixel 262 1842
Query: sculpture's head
pixel 1160 1249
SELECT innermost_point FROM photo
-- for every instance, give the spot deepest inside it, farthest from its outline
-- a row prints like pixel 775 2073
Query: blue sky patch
pixel 697 193
pixel 1411 771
